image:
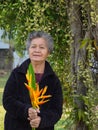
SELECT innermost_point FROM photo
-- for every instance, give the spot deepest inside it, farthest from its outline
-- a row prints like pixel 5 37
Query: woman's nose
pixel 37 49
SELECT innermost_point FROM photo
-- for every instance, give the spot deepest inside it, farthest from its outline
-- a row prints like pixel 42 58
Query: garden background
pixel 74 27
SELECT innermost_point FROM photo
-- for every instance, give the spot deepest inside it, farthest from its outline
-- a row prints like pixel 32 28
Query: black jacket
pixel 16 100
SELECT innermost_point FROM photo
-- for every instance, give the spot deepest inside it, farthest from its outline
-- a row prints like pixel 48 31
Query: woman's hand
pixel 35 122
pixel 32 113
pixel 33 117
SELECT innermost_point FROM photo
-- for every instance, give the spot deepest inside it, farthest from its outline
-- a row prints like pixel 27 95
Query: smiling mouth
pixel 37 55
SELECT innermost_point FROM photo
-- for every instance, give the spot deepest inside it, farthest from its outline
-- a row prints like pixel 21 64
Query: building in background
pixel 9 59
pixel 6 55
pixel 18 60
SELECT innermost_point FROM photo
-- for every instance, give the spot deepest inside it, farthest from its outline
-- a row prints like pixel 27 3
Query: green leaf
pixel 31 71
pixel 84 42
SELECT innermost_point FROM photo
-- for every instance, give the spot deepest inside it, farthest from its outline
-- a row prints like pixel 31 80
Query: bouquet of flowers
pixel 37 96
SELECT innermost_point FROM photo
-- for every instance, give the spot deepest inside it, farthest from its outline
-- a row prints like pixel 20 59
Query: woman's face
pixel 38 50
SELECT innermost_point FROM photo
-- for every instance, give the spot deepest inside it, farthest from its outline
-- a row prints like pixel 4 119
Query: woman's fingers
pixel 32 113
pixel 35 122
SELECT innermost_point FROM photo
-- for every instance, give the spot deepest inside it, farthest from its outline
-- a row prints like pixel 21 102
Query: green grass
pixel 2 112
pixel 3 79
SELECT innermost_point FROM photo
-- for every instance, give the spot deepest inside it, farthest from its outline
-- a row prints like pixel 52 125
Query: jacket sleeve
pixel 11 103
pixel 50 116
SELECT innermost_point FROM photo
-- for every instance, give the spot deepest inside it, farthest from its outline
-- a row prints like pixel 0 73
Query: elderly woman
pixel 20 114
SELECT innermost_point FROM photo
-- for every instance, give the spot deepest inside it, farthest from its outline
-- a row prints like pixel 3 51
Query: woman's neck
pixel 38 67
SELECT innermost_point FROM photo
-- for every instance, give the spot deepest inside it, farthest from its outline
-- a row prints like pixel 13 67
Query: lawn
pixel 3 79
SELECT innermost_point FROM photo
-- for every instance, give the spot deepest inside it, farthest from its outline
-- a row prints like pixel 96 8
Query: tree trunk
pixel 77 54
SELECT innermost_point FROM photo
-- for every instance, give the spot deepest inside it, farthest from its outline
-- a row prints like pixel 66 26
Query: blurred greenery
pixel 20 17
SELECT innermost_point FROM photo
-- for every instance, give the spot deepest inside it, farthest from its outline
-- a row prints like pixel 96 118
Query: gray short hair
pixel 40 34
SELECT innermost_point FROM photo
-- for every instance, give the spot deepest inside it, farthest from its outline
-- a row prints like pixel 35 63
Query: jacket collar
pixel 24 66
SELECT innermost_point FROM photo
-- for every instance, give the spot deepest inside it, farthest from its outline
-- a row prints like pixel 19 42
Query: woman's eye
pixel 42 47
pixel 33 46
